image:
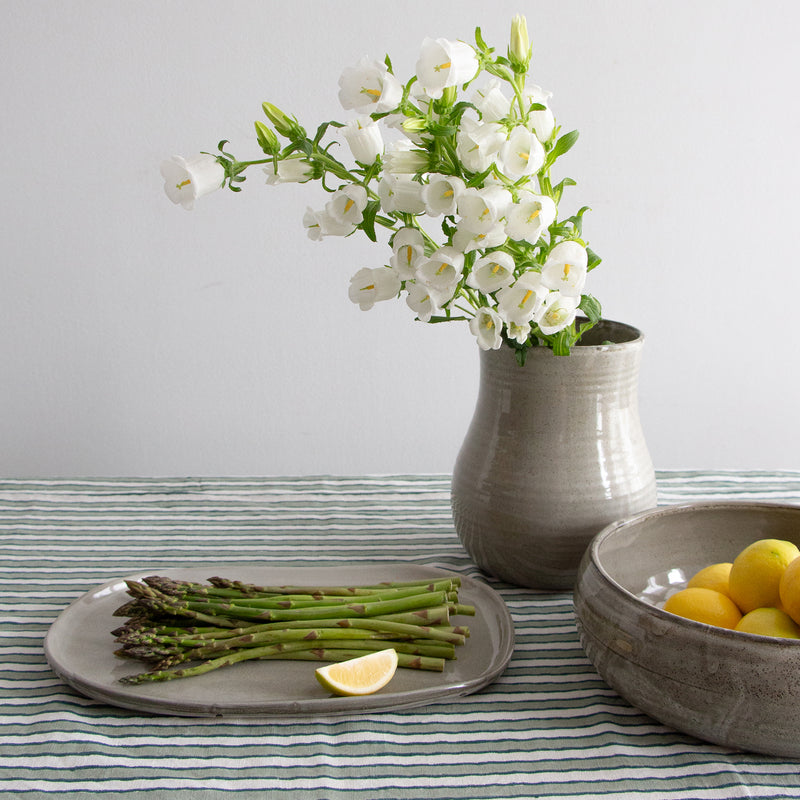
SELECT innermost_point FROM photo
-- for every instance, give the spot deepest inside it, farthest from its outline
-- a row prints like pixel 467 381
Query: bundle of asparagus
pixel 208 626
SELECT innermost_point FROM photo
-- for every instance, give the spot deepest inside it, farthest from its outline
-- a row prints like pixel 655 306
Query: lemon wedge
pixel 358 676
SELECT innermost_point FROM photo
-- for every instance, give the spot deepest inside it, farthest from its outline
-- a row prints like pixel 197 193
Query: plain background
pixel 141 339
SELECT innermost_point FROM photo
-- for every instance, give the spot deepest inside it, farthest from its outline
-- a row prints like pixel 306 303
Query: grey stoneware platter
pixel 80 649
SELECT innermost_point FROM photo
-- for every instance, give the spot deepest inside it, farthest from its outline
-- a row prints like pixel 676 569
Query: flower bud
pixel 285 125
pixel 267 140
pixel 519 49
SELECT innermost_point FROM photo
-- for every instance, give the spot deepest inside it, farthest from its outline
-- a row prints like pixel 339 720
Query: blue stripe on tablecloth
pixel 548 727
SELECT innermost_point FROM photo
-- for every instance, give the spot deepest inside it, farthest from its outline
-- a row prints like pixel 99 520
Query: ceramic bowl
pixel 734 689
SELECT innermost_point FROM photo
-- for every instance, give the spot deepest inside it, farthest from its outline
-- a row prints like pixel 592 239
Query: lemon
pixel 756 573
pixel 769 622
pixel 704 605
pixel 363 675
pixel 789 590
pixel 715 576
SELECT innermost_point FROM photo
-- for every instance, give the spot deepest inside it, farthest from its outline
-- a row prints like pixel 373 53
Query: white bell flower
pixel 401 159
pixel 347 204
pixel 491 101
pixel 477 143
pixel 369 286
pixel 369 88
pixel 442 271
pixel 492 272
pixel 320 224
pixel 519 304
pixel 542 122
pixel 422 301
pixel 364 138
pixel 565 269
pixel 444 63
pixel 481 209
pixel 400 193
pixel 487 327
pixel 522 154
pixel 186 180
pixel 290 170
pixel 556 313
pixel 519 333
pixel 409 252
pixel 466 239
pixel 527 219
pixel 441 193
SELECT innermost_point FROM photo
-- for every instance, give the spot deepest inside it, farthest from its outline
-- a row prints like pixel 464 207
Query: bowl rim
pixel 677 509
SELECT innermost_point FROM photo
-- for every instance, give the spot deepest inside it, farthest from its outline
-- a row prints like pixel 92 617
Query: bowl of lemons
pixel 692 614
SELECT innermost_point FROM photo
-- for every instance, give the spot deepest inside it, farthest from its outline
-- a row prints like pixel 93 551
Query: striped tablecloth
pixel 549 727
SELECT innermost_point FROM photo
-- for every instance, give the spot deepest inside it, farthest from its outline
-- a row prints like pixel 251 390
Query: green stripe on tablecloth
pixel 549 715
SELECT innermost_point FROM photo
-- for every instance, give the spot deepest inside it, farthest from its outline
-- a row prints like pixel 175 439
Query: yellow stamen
pixel 182 184
pixel 525 299
pixel 487 322
pixel 367 288
pixel 348 205
pixel 496 268
pixel 524 156
pixel 409 254
pixel 441 269
pixel 440 67
pixel 374 93
pixel 448 193
pixel 567 268
pixel 535 214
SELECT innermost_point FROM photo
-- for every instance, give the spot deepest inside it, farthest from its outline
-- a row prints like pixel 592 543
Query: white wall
pixel 139 339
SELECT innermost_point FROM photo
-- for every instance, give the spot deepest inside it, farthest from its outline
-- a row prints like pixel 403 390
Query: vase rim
pixel 607 336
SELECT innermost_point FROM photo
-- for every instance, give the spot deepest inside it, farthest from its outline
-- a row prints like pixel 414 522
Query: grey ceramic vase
pixel 554 453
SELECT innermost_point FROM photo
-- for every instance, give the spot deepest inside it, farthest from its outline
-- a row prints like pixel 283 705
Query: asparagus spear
pixel 233 621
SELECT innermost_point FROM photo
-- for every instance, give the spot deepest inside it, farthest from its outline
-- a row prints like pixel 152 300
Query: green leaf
pixel 368 222
pixel 594 259
pixel 563 144
pixel 388 62
pixel 561 343
pixel 558 189
pixel 591 307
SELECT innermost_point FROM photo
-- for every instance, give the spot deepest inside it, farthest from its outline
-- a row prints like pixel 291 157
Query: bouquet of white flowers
pixel 455 164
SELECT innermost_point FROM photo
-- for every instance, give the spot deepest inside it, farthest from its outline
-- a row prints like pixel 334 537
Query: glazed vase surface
pixel 554 453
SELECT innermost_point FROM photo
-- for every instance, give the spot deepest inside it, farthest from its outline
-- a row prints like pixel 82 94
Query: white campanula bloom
pixel 290 170
pixel 481 209
pixel 556 313
pixel 541 121
pixel 527 219
pixel 421 300
pixel 442 271
pixel 487 327
pixel 520 302
pixel 519 333
pixel 364 138
pixel 477 143
pixel 408 249
pixel 401 159
pixel 187 179
pixel 320 224
pixel 347 204
pixel 466 239
pixel 492 272
pixel 441 193
pixel 399 193
pixel 491 101
pixel 369 286
pixel 565 269
pixel 369 88
pixel 444 63
pixel 522 154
